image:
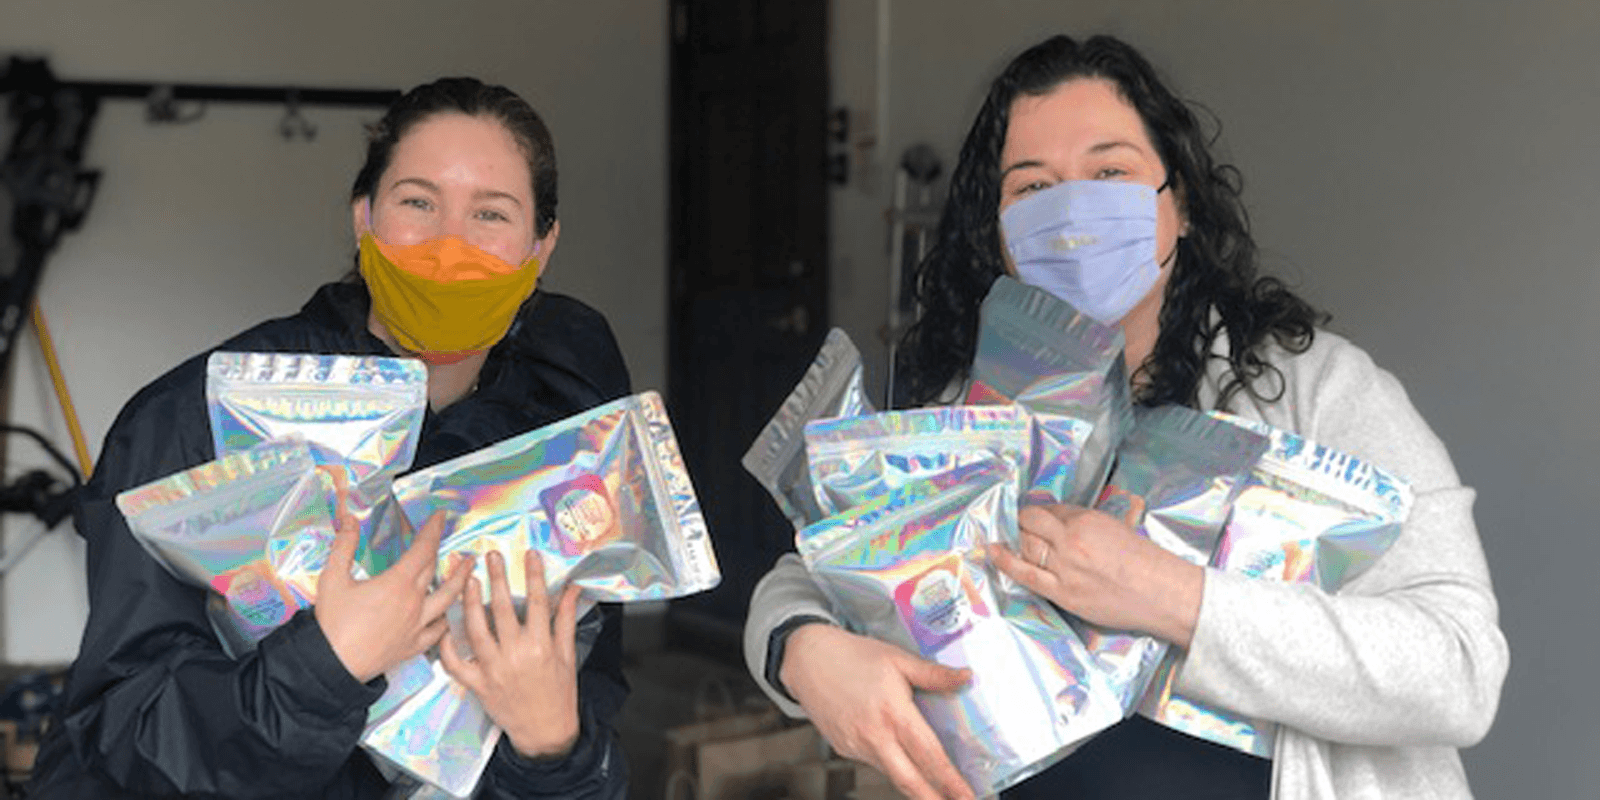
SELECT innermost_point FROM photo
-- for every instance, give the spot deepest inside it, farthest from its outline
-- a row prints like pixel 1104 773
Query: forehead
pixel 453 148
pixel 1072 119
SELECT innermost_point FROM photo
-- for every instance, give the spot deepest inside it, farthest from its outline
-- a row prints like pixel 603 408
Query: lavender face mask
pixel 1090 243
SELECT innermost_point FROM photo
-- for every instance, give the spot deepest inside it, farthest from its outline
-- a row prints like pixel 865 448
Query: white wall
pixel 201 230
pixel 1423 170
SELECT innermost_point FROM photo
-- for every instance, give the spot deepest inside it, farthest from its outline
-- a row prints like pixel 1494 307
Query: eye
pixel 1030 187
pixel 1110 173
pixel 491 215
pixel 420 203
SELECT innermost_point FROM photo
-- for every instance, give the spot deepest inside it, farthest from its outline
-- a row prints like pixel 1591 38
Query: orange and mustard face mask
pixel 444 299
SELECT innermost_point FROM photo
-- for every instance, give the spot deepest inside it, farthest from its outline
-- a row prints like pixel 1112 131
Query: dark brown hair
pixel 475 98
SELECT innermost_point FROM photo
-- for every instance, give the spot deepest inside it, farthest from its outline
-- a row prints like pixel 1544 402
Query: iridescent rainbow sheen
pixel 1307 514
pixel 1036 350
pixel 439 734
pixel 832 387
pixel 635 532
pixel 254 527
pixel 910 567
pixel 1181 470
pixel 854 459
pixel 361 413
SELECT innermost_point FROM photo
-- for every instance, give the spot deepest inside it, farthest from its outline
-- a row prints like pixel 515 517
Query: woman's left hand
pixel 524 673
pixel 1098 567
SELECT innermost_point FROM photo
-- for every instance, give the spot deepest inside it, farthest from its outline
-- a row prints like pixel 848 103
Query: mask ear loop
pixel 1172 256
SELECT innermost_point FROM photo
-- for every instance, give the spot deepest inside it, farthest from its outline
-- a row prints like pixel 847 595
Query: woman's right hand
pixel 857 691
pixel 374 624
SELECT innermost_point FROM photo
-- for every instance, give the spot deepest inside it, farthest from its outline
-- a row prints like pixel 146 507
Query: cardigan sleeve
pixel 1409 653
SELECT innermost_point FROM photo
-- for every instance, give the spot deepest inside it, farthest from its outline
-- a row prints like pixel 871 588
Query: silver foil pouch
pixel 1307 514
pixel 910 568
pixel 254 527
pixel 832 387
pixel 1067 370
pixel 603 496
pixel 605 500
pixel 438 734
pixel 854 459
pixel 1177 474
pixel 361 413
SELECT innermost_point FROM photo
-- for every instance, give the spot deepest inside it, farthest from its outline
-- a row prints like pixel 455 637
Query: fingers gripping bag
pixel 254 527
pixel 362 413
pixel 832 387
pixel 1176 477
pixel 605 500
pixel 855 459
pixel 1307 514
pixel 361 416
pixel 910 568
pixel 603 496
pixel 1067 370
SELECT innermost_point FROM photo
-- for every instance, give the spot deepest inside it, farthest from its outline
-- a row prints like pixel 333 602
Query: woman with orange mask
pixel 454 216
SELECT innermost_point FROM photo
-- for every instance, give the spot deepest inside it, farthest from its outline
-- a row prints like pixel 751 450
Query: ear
pixel 360 217
pixel 544 248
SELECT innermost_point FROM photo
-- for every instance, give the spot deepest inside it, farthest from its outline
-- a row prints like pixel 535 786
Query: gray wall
pixel 1424 171
pixel 1418 168
pixel 203 229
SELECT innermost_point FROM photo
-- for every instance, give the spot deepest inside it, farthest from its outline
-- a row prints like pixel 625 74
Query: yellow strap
pixel 47 345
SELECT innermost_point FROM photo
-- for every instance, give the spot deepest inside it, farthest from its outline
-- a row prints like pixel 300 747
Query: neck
pixel 447 383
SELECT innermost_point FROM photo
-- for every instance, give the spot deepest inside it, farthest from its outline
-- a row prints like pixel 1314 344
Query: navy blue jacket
pixel 154 708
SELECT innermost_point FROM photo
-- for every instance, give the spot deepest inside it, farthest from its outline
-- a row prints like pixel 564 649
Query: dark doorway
pixel 748 266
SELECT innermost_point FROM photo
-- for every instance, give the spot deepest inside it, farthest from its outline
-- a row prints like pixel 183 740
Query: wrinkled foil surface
pixel 440 734
pixel 832 387
pixel 603 497
pixel 1177 474
pixel 1307 514
pixel 254 527
pixel 605 500
pixel 362 413
pixel 1067 370
pixel 910 568
pixel 854 459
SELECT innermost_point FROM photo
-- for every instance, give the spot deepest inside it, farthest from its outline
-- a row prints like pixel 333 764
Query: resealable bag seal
pixel 831 387
pixel 1036 350
pixel 1306 514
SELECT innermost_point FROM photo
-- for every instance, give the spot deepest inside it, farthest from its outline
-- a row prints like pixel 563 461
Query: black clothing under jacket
pixel 154 708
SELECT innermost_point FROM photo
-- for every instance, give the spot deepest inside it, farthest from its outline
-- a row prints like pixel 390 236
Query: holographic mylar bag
pixel 254 527
pixel 832 387
pixel 1177 474
pixel 362 413
pixel 910 568
pixel 603 497
pixel 439 734
pixel 605 500
pixel 855 459
pixel 1067 370
pixel 1307 514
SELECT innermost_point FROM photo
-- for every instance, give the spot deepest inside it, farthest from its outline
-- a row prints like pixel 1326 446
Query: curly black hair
pixel 1215 270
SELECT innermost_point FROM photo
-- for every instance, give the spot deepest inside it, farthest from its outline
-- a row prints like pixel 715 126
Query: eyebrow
pixel 482 194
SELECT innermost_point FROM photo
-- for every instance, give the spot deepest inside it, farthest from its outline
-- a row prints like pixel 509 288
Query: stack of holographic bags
pixel 893 512
pixel 603 497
